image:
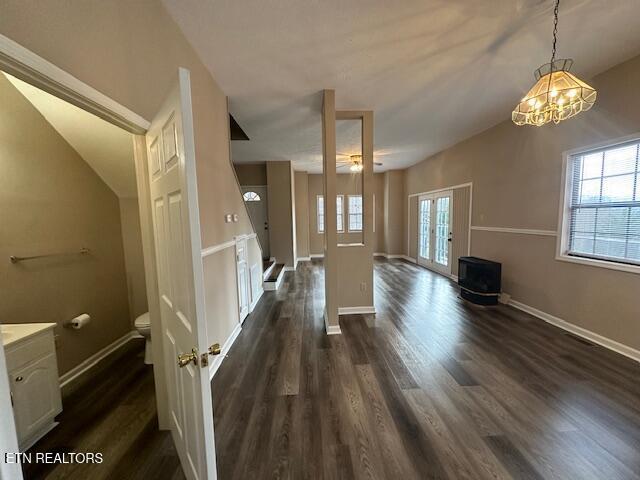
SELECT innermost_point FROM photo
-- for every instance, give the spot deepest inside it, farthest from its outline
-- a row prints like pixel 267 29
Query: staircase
pixel 273 274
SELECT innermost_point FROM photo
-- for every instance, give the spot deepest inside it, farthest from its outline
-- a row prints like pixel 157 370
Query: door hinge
pixel 204 359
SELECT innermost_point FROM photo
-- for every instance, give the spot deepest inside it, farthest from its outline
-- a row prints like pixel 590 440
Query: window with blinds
pixel 604 205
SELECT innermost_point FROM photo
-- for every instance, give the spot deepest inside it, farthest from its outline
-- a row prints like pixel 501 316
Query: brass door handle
pixel 185 359
pixel 215 349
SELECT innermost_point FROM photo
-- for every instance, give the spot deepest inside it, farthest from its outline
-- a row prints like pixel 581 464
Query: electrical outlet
pixel 363 287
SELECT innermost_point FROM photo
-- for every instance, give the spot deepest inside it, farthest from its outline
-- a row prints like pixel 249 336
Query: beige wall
pixel 251 174
pixel 516 174
pixel 131 51
pixel 393 211
pixel 52 201
pixel 281 213
pixel 346 184
pixel 133 257
pixel 302 213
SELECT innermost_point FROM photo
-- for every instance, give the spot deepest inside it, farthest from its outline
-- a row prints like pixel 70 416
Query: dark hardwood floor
pixel 113 412
pixel 430 387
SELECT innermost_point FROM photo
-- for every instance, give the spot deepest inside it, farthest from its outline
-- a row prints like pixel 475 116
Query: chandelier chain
pixel 555 32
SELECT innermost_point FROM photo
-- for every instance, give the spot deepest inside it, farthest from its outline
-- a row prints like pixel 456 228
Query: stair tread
pixel 273 276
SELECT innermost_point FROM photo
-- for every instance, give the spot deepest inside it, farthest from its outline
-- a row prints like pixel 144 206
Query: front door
pixel 256 201
pixel 434 231
pixel 172 178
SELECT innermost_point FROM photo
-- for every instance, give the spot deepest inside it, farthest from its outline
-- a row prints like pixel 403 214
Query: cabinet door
pixel 36 395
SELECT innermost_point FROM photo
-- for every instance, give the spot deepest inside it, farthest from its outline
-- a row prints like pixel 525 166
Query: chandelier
pixel 557 94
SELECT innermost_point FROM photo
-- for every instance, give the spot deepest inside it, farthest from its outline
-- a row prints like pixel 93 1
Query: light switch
pixel 235 217
pixel 228 218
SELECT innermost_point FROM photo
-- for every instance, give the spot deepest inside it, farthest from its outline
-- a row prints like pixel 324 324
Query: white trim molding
pixel 356 310
pixel 389 255
pixel 331 329
pixel 26 65
pixel 517 231
pixel 218 359
pixel 231 243
pixel 216 248
pixel 93 360
pixel 304 259
pixel 316 255
pixel 579 331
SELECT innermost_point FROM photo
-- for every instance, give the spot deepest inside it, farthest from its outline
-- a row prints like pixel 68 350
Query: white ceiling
pixel 434 71
pixel 106 148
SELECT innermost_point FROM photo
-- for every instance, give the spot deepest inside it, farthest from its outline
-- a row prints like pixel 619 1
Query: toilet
pixel 143 325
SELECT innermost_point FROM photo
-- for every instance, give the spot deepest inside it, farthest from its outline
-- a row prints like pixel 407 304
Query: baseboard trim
pixel 94 359
pixel 304 259
pixel 579 331
pixel 356 310
pixel 218 359
pixel 316 255
pixel 331 329
pixel 388 255
pixel 290 269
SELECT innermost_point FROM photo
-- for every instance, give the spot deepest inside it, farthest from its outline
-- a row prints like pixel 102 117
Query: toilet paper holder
pixel 77 322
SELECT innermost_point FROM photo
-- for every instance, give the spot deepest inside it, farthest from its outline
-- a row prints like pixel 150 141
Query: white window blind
pixel 340 213
pixel 355 213
pixel 605 204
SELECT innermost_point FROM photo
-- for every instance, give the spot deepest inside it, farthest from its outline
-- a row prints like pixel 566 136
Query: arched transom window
pixel 251 197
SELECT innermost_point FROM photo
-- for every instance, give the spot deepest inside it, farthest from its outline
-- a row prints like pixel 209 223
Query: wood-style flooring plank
pixel 429 387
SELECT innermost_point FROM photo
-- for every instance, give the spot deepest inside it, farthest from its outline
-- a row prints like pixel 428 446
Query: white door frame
pixel 429 261
pixel 35 70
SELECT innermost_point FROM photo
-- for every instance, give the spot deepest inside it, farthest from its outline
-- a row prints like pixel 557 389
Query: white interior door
pixel 242 269
pixel 257 208
pixel 172 178
pixel 434 231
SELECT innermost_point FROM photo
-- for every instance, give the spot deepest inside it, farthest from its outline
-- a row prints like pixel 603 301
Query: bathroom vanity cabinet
pixel 33 377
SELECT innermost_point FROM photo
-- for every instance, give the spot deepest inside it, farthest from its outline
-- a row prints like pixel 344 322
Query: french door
pixel 434 231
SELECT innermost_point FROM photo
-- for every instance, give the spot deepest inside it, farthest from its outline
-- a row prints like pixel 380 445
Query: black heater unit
pixel 479 280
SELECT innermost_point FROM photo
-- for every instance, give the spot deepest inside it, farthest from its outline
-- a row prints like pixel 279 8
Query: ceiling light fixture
pixel 557 94
pixel 356 166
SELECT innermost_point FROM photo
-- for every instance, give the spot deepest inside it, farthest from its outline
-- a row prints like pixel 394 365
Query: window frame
pixel 340 225
pixel 350 230
pixel 320 225
pixel 564 216
pixel 257 197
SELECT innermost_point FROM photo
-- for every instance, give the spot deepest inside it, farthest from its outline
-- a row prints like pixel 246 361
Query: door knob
pixel 185 359
pixel 215 349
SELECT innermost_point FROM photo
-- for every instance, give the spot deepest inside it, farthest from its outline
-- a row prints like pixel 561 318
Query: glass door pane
pixel 424 228
pixel 442 231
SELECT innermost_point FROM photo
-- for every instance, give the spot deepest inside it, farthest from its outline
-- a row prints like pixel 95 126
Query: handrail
pixel 16 259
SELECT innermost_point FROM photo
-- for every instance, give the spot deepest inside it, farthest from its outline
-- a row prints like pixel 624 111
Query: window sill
pixel 594 262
